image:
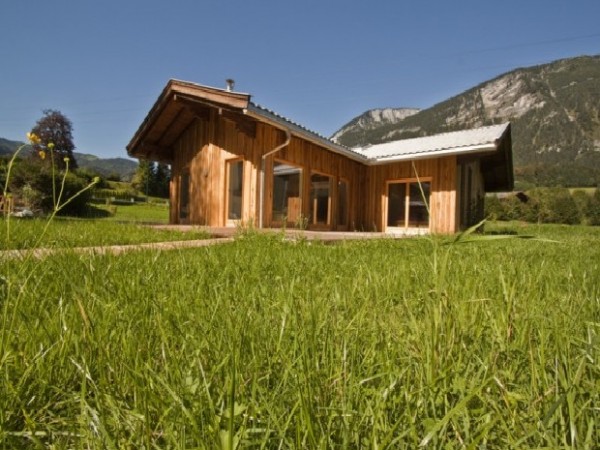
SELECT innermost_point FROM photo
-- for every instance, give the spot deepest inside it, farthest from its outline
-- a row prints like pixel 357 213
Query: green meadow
pixel 490 341
pixel 22 234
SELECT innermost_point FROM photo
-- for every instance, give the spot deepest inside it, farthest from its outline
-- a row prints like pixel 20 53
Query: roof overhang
pixel 178 105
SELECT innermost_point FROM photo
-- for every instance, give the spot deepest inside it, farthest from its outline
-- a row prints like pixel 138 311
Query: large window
pixel 235 183
pixel 320 199
pixel 407 205
pixel 287 193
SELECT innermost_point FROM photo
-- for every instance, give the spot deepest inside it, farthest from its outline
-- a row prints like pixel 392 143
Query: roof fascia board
pixel 218 96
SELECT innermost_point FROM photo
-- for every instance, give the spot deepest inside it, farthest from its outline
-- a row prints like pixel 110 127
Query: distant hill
pixel 555 113
pixel 104 166
pixel 8 147
pixel 107 166
pixel 357 128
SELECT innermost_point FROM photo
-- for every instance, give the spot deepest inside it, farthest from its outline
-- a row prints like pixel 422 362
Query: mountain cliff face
pixel 554 110
pixel 371 120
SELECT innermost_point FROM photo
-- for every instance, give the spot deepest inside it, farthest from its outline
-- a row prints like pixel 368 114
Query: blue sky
pixel 320 63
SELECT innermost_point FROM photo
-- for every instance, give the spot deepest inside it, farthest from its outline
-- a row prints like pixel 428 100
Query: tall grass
pixel 67 233
pixel 264 343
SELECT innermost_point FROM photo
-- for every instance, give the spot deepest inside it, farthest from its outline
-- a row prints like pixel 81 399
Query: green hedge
pixel 547 205
pixel 117 194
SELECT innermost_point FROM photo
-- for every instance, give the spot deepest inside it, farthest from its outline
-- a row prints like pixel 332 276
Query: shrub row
pixel 118 194
pixel 547 205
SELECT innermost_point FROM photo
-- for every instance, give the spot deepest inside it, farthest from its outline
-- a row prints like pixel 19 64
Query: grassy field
pixel 65 233
pixel 263 343
pixel 134 212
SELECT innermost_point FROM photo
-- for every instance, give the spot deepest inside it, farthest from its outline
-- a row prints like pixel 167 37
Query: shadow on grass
pixel 93 212
pixel 501 232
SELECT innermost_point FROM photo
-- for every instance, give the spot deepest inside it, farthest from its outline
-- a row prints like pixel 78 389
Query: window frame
pixel 228 164
pixel 407 182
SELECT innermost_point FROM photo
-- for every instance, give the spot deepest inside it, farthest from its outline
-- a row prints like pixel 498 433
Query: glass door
pixel 320 200
pixel 408 205
pixel 235 186
pixel 287 195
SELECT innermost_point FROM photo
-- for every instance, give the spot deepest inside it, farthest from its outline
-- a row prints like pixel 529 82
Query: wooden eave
pixel 179 104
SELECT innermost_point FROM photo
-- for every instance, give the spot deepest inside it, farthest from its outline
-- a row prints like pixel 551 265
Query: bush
pixel 32 183
pixel 544 205
pixel 582 200
pixel 593 209
pixel 553 205
pixel 115 194
pixel 493 208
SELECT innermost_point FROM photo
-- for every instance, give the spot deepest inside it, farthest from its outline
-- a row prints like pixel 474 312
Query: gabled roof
pixel 178 105
pixel 475 140
pixel 181 102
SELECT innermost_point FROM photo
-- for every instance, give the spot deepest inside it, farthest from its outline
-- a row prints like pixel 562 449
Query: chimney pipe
pixel 230 83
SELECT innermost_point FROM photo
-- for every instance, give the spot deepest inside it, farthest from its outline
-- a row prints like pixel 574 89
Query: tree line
pixel 547 205
pixel 48 167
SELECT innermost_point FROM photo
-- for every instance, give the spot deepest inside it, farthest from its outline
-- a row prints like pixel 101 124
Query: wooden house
pixel 233 161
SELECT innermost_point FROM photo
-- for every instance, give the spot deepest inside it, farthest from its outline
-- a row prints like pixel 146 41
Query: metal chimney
pixel 230 83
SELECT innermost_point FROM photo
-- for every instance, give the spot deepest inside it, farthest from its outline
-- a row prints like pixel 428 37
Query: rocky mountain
pixel 103 166
pixel 554 110
pixel 371 120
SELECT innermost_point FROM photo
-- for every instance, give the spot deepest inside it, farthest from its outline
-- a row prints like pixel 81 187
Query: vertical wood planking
pixel 206 145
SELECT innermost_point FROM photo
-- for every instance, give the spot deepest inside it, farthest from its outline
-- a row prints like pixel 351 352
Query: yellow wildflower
pixel 42 154
pixel 66 159
pixel 33 138
pixel 50 145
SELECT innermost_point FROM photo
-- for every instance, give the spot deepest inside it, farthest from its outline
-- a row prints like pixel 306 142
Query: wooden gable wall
pixel 205 146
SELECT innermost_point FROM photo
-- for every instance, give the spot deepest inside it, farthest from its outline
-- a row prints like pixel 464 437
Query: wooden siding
pixel 314 159
pixel 205 146
pixel 442 174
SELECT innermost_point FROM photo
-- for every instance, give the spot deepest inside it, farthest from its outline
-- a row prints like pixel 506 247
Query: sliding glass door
pixel 408 204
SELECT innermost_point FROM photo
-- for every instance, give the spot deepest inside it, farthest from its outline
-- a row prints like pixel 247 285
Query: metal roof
pixel 475 140
pixel 302 131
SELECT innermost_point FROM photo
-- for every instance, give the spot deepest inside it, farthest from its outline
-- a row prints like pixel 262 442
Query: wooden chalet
pixel 233 162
